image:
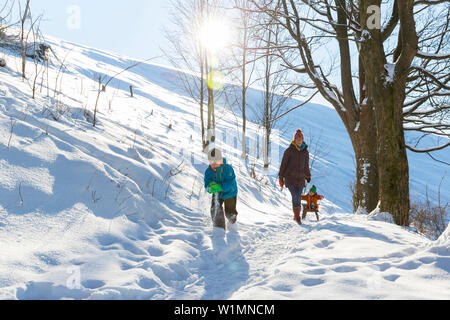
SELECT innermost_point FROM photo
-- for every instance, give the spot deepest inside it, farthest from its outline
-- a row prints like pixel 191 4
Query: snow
pixel 320 263
pixel 432 55
pixel 365 168
pixel 381 216
pixel 444 239
pixel 365 35
pixel 390 69
pixel 102 213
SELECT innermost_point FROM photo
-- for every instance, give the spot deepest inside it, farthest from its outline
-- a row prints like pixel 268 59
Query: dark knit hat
pixel 313 189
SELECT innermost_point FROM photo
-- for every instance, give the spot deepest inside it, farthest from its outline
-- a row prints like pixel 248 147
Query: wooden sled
pixel 307 209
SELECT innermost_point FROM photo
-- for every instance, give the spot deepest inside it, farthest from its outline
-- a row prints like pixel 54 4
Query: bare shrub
pixel 430 220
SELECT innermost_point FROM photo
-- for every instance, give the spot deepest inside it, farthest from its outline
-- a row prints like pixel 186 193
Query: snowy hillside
pixel 119 211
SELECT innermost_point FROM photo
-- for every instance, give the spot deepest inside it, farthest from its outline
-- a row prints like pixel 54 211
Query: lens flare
pixel 215 80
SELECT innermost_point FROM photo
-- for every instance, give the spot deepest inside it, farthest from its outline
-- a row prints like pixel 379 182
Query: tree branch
pixel 393 21
pixel 429 149
pixel 432 56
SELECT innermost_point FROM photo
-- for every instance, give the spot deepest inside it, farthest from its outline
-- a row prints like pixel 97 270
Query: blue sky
pixel 132 28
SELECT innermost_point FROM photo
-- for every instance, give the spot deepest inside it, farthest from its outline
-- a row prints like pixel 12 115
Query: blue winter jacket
pixel 226 177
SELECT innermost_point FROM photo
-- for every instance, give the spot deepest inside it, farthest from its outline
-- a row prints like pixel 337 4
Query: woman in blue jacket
pixel 222 174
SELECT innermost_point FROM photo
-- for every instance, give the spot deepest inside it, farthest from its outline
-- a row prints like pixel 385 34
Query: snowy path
pixel 336 258
pixel 341 256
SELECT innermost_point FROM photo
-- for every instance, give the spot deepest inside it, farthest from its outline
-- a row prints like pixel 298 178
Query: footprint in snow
pixel 93 284
pixel 323 244
pixel 410 265
pixel 392 277
pixel 312 282
pixel 315 271
pixel 147 283
pixel 344 269
pixel 155 251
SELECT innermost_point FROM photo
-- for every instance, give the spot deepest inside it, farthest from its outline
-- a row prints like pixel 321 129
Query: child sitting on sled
pixel 220 181
pixel 311 205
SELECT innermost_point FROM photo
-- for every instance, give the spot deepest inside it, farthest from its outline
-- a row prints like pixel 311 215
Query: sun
pixel 215 34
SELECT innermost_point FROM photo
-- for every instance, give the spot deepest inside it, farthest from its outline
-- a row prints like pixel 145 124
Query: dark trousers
pixel 218 214
pixel 296 193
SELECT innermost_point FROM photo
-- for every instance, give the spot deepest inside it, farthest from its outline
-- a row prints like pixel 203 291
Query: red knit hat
pixel 298 134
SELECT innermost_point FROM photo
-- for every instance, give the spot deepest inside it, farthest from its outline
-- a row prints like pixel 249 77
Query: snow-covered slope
pixel 119 211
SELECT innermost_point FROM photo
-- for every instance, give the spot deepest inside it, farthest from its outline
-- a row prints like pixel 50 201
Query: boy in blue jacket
pixel 221 175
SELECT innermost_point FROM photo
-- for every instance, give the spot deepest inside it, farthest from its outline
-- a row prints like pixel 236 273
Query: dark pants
pixel 218 214
pixel 296 193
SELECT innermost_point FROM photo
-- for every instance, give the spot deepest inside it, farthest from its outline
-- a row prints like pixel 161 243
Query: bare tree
pixel 258 63
pixel 372 107
pixel 194 61
pixel 186 53
pixel 274 80
pixel 23 40
pixel 244 61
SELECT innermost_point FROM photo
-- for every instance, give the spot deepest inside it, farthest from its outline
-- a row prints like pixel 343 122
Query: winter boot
pixel 297 215
pixel 232 218
pixel 230 210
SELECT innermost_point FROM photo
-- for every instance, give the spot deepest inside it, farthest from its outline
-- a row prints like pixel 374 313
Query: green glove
pixel 214 187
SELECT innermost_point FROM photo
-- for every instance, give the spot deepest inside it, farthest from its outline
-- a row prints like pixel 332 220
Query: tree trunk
pixel 366 195
pixel 202 99
pixel 22 38
pixel 266 147
pixel 244 103
pixel 211 116
pixel 386 91
pixel 359 119
pixel 393 172
pixel 393 169
pixel 366 192
pixel 244 89
pixel 267 104
pixel 209 75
